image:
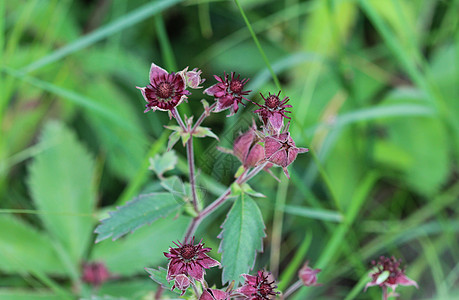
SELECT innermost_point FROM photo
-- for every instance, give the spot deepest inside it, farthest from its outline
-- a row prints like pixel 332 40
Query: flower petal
pixel 404 280
pixel 196 271
pixel 156 71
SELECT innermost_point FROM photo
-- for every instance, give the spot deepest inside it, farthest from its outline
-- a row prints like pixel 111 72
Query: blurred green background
pixel 374 85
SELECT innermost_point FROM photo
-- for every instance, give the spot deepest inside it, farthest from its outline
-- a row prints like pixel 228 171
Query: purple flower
pixel 272 113
pixel 165 90
pixel 182 282
pixel 189 259
pixel 228 92
pixel 259 287
pixel 247 148
pixel 387 273
pixel 211 294
pixel 308 276
pixel 95 273
pixel 281 150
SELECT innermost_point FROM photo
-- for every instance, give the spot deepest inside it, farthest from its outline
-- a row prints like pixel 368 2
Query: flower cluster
pixel 189 259
pixel 258 287
pixel 387 273
pixel 271 146
pixel 261 147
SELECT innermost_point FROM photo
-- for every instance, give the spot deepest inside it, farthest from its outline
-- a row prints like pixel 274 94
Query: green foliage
pixel 61 182
pixel 374 91
pixel 141 211
pixel 21 244
pixel 242 237
pixel 159 276
pixel 144 247
pixel 163 163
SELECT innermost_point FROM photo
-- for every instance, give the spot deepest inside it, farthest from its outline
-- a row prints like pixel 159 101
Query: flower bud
pixel 247 149
pixel 281 150
pixel 308 276
pixel 182 282
pixel 193 78
pixel 95 273
pixel 212 294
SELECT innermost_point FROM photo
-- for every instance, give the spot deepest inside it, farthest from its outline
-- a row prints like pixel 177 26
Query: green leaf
pixel 159 276
pixel 163 163
pixel 61 181
pixel 173 139
pixel 143 210
pixel 21 244
pixel 204 131
pixel 128 256
pixel 242 237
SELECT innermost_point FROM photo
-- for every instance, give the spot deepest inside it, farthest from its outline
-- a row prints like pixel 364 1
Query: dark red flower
pixel 259 287
pixel 387 272
pixel 228 92
pixel 182 282
pixel 95 273
pixel 211 294
pixel 308 276
pixel 189 259
pixel 165 90
pixel 272 113
pixel 247 148
pixel 281 150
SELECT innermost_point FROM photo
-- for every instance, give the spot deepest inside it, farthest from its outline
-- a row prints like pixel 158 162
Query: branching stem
pixel 246 176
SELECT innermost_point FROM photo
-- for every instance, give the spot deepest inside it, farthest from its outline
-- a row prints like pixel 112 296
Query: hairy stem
pixel 291 289
pixel 195 289
pixel 177 116
pixel 218 202
pixel 190 156
pixel 385 295
pixel 159 293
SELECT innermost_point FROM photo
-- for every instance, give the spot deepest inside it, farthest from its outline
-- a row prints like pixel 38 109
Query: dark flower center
pixel 164 90
pixel 265 289
pixel 272 101
pixel 188 252
pixel 236 86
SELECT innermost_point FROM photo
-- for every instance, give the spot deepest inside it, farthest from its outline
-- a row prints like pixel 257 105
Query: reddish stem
pixel 219 201
pixel 385 295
